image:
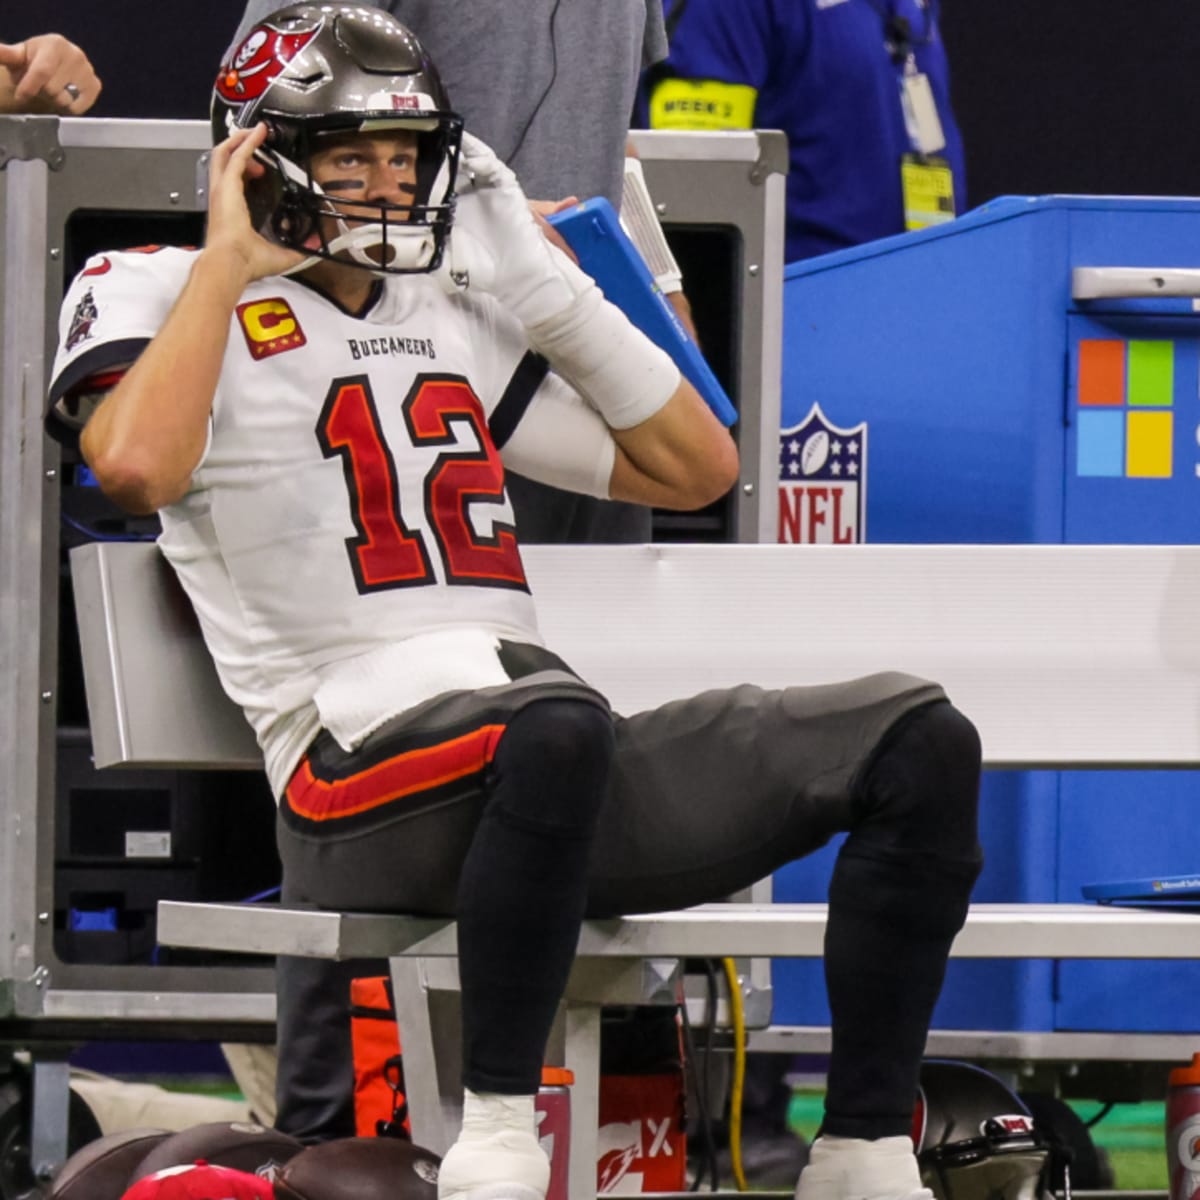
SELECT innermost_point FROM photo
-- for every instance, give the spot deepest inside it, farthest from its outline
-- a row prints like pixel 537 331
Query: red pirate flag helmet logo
pixel 258 62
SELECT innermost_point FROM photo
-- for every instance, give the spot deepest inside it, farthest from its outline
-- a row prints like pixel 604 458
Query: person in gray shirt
pixel 548 84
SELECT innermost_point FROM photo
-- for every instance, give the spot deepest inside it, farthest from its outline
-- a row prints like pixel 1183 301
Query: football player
pixel 321 404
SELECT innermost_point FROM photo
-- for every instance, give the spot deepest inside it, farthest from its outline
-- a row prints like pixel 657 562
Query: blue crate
pixel 982 387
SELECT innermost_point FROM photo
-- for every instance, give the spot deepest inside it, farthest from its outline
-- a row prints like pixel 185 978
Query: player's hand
pixel 46 74
pixel 496 245
pixel 542 209
pixel 230 233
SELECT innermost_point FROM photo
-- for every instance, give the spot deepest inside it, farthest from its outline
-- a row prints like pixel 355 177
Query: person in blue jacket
pixel 861 88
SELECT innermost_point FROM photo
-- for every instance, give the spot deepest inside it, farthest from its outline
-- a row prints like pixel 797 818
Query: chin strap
pixel 412 246
pixel 411 249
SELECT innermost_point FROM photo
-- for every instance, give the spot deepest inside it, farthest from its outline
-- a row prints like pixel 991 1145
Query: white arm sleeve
pixel 561 440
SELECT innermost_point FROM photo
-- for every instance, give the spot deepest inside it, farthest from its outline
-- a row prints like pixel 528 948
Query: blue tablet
pixel 1155 888
pixel 605 252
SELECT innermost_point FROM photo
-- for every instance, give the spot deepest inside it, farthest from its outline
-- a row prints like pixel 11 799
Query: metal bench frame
pixel 999 626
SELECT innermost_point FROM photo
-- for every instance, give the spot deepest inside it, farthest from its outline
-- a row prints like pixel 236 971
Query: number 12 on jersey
pixel 386 552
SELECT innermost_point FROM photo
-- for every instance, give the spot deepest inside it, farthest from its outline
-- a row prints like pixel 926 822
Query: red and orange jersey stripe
pixel 405 774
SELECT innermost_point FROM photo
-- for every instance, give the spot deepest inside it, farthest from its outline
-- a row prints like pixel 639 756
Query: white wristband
pixel 669 283
pixel 614 366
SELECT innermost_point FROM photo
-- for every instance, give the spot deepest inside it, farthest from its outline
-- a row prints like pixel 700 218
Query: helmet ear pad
pixel 291 217
pixel 263 198
pixel 277 210
pixel 276 200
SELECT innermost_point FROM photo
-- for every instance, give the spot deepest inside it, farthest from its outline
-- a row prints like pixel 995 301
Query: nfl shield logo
pixel 822 482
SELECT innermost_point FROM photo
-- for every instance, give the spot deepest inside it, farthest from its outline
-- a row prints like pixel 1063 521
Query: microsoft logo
pixel 1125 395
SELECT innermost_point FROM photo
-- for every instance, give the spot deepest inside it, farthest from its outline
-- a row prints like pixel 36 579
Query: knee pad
pixel 919 795
pixel 913 854
pixel 551 767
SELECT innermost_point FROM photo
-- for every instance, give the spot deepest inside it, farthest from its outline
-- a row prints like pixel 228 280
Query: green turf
pixel 1133 1137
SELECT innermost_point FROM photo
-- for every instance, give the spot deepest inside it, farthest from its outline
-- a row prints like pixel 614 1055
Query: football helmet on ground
pixel 975 1139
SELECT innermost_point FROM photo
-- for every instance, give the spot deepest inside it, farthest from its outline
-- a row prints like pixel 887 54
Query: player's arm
pixel 679 457
pixel 149 433
pixel 671 450
pixel 146 438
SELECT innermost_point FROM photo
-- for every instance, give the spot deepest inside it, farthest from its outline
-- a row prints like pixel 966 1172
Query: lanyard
pixel 898 39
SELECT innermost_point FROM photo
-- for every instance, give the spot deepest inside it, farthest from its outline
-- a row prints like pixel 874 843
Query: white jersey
pixel 346 540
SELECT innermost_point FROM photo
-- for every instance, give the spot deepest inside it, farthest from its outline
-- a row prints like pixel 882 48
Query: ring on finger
pixel 72 90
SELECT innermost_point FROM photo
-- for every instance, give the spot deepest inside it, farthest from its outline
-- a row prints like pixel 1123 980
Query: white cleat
pixel 861 1169
pixel 505 1165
